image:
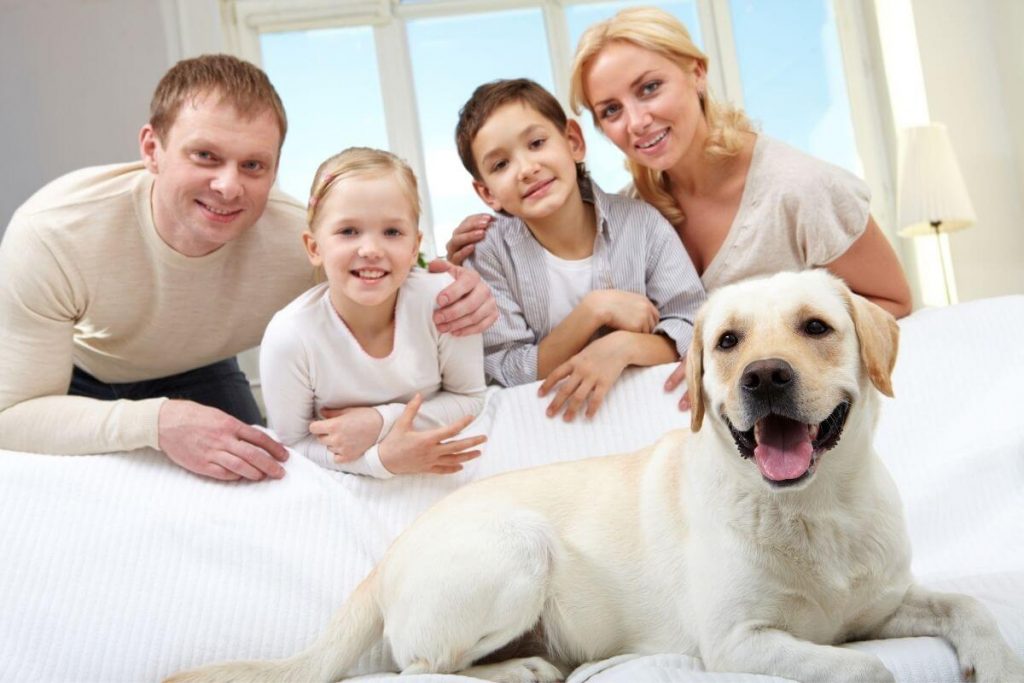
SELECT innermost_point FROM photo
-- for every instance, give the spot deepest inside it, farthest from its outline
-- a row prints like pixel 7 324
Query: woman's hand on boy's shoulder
pixel 470 231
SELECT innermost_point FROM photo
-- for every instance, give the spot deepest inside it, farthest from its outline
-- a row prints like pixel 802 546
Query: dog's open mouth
pixel 785 450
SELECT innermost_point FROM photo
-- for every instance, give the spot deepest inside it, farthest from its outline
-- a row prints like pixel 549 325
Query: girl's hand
pixel 347 432
pixel 467 305
pixel 406 451
pixel 586 377
pixel 623 310
pixel 470 231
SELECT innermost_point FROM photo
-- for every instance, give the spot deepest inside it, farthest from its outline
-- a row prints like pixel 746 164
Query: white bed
pixel 122 567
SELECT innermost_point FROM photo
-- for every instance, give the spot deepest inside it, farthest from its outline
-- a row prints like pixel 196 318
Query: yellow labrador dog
pixel 759 541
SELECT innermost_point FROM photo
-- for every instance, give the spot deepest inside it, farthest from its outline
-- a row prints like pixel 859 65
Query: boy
pixel 586 283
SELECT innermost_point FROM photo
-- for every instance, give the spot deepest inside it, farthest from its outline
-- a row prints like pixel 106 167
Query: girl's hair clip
pixel 315 198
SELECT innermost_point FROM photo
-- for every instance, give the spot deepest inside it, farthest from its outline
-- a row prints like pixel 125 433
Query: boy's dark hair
pixel 488 98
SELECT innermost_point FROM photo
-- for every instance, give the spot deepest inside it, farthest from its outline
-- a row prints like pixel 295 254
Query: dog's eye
pixel 816 328
pixel 727 341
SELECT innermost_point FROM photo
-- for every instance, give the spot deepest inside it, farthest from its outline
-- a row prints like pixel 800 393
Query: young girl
pixel 361 349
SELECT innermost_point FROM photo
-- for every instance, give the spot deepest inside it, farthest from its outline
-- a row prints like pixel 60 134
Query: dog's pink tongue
pixel 784 448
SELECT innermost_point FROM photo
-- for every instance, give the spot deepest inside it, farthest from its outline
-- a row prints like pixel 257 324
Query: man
pixel 138 283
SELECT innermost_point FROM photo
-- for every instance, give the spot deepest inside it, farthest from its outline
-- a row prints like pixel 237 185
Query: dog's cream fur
pixel 682 547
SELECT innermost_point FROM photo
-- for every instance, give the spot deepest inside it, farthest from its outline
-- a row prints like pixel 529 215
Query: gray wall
pixel 76 77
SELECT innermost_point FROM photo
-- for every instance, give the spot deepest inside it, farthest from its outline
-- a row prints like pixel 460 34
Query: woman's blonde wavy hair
pixel 658 31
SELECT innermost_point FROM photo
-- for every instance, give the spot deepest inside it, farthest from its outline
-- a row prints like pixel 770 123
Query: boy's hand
pixel 347 432
pixel 467 305
pixel 470 231
pixel 406 451
pixel 586 377
pixel 623 310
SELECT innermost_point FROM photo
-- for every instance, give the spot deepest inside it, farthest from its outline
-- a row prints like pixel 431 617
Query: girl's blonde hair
pixel 660 32
pixel 361 162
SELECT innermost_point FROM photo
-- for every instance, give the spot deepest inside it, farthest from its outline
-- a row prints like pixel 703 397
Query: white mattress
pixel 122 567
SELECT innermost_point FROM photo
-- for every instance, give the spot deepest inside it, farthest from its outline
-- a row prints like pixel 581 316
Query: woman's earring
pixel 701 98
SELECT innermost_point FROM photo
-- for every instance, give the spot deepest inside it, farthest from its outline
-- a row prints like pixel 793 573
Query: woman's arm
pixel 870 268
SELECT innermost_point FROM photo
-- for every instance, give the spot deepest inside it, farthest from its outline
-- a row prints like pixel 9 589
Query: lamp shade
pixel 932 189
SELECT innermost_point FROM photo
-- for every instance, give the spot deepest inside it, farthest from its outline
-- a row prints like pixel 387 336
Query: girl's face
pixel 646 104
pixel 366 238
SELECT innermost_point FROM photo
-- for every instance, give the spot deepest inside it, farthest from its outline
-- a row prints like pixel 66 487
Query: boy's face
pixel 213 173
pixel 527 165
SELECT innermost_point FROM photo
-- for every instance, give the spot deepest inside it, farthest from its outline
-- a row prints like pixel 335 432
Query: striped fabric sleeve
pixel 673 284
pixel 510 346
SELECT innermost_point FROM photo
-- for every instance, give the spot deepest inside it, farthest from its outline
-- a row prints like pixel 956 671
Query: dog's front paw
pixel 528 670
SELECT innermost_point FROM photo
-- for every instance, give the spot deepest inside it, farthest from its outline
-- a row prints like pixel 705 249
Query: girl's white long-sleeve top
pixel 310 360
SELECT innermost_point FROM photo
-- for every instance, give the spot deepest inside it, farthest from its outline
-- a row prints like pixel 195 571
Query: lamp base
pixel 942 260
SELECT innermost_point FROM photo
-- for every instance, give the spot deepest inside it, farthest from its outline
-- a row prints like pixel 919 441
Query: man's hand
pixel 674 380
pixel 466 306
pixel 211 443
pixel 405 451
pixel 347 432
pixel 470 231
pixel 623 310
pixel 586 377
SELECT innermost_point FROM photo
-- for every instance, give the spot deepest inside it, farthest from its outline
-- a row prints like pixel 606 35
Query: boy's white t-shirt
pixel 568 283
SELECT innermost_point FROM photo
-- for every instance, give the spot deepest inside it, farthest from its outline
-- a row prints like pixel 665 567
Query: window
pixel 444 78
pixel 328 82
pixel 393 75
pixel 792 74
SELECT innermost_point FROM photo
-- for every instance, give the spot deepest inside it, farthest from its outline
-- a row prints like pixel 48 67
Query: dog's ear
pixel 879 338
pixel 695 376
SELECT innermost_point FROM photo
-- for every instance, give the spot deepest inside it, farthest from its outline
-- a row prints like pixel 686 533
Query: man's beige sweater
pixel 86 280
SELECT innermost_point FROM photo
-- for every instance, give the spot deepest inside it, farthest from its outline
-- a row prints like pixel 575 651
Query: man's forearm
pixel 74 425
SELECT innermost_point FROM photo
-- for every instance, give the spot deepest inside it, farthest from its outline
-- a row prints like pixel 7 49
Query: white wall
pixel 76 78
pixel 973 69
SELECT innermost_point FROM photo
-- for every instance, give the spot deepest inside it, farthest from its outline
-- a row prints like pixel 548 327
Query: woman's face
pixel 647 104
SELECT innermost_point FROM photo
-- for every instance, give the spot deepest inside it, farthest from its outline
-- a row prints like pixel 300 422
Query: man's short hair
pixel 239 83
pixel 490 97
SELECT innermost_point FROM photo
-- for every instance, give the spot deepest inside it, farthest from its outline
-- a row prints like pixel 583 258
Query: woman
pixel 742 203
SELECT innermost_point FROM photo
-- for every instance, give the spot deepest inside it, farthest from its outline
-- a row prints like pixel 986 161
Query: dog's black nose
pixel 767 376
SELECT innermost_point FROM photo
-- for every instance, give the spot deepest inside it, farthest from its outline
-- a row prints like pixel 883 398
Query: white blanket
pixel 123 567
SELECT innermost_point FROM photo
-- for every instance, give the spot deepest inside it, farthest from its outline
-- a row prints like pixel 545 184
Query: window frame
pixel 244 20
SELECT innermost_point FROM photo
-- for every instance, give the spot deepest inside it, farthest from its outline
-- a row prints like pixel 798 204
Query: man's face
pixel 213 172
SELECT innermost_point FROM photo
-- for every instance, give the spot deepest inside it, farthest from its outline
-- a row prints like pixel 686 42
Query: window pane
pixel 451 56
pixel 327 79
pixel 793 81
pixel 604 160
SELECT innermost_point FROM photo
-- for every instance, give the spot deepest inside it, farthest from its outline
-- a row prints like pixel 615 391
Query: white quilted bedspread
pixel 123 567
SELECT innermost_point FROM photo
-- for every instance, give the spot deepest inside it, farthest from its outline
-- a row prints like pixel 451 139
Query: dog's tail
pixel 357 626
